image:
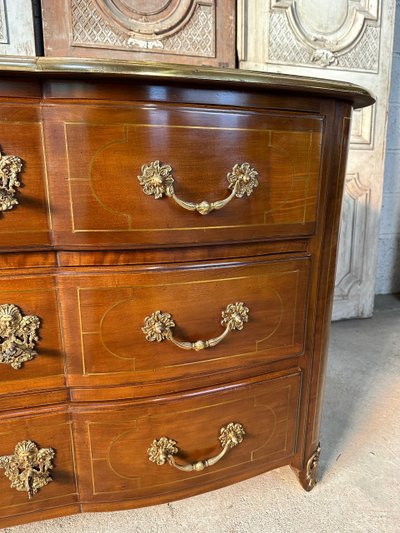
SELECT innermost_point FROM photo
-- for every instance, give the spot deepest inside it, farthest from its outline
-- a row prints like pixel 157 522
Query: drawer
pixel 24 218
pixel 96 154
pixel 113 440
pixel 31 352
pixel 111 322
pixel 26 433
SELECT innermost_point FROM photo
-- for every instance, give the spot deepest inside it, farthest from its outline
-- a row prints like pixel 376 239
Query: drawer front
pixel 95 155
pixel 113 441
pixel 31 352
pixel 19 434
pixel 23 205
pixel 118 344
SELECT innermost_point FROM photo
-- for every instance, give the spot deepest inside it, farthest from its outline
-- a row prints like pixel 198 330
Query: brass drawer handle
pixel 18 336
pixel 157 179
pixel 10 167
pixel 158 327
pixel 28 468
pixel 163 450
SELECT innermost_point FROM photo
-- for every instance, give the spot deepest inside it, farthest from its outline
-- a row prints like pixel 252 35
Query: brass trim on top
pixel 80 67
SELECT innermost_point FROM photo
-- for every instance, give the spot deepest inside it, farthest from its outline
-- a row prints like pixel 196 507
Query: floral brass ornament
pixel 10 167
pixel 157 180
pixel 28 468
pixel 163 450
pixel 158 327
pixel 18 335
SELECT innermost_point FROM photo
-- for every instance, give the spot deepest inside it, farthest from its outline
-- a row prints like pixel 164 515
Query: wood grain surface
pixel 91 255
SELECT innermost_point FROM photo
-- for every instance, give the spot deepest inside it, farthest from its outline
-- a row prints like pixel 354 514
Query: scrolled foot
pixel 308 476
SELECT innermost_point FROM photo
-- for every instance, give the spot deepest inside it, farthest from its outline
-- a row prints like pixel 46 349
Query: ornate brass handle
pixel 18 336
pixel 163 450
pixel 156 180
pixel 158 327
pixel 10 167
pixel 28 468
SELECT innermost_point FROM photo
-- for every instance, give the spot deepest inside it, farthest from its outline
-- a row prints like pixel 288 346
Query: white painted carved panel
pixel 16 28
pixel 348 40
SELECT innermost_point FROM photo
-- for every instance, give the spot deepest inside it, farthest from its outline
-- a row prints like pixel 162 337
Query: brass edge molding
pixel 162 450
pixel 157 180
pixel 358 96
pixel 28 468
pixel 18 336
pixel 10 167
pixel 158 327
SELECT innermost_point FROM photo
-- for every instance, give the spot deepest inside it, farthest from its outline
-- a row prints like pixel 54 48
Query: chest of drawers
pixel 168 240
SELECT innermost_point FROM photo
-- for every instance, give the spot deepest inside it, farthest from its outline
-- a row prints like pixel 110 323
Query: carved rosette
pixel 161 449
pixel 18 336
pixel 243 178
pixel 157 326
pixel 28 468
pixel 235 315
pixel 231 435
pixel 10 167
pixel 156 179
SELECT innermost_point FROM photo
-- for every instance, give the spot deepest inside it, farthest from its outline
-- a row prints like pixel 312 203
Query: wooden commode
pixel 168 239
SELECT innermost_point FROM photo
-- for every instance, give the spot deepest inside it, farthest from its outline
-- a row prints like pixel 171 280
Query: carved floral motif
pixel 28 468
pixel 10 167
pixel 18 335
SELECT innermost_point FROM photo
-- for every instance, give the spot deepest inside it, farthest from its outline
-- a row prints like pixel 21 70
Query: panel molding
pixel 353 44
pixel 352 243
pixel 189 30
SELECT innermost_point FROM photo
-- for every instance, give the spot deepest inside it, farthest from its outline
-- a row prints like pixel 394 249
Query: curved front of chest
pixel 162 175
pixel 137 453
pixel 143 330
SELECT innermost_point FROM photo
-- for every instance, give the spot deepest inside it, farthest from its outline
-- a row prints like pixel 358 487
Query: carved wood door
pixel 348 40
pixel 177 31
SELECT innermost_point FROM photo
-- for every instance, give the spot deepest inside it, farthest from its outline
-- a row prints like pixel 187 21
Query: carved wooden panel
pixel 104 316
pixel 348 40
pixel 93 146
pixel 188 31
pixel 112 443
pixel 17 36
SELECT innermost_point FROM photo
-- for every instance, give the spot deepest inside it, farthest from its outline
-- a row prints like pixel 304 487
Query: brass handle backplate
pixel 157 179
pixel 18 336
pixel 28 468
pixel 158 326
pixel 10 167
pixel 163 450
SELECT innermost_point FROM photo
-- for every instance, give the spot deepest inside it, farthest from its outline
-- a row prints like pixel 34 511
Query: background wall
pixel 388 272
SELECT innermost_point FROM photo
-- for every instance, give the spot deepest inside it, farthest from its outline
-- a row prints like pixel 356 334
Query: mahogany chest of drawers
pixel 168 239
